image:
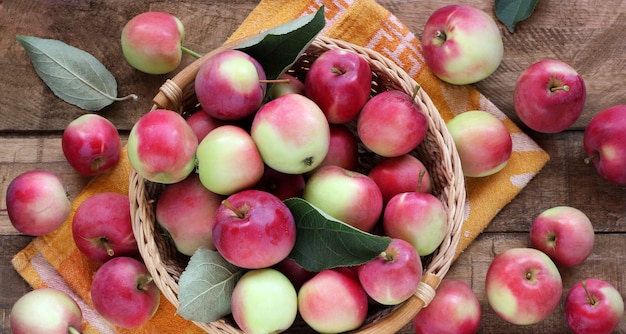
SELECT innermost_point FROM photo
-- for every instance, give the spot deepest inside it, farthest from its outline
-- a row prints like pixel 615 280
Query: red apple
pixel 339 81
pixel 333 301
pixel 392 277
pixel 123 292
pixel 399 175
pixel 449 41
pixel 455 302
pixel 343 149
pixel 348 196
pixel 604 142
pixel 91 144
pixel 152 42
pixel 549 96
pixel 293 86
pixel 294 272
pixel 391 124
pixel 202 123
pixel 281 185
pixel 523 286
pixel 102 228
pixel 483 142
pixel 239 80
pixel 254 229
pixel 593 306
pixel 46 310
pixel 162 147
pixel 185 210
pixel 564 233
pixel 37 202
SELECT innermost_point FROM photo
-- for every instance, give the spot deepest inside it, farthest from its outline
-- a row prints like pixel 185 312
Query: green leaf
pixel 206 286
pixel 322 242
pixel 278 48
pixel 73 75
pixel 510 12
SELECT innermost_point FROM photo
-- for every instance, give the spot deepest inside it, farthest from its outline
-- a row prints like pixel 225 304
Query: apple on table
pixel 593 306
pixel 604 141
pixel 46 310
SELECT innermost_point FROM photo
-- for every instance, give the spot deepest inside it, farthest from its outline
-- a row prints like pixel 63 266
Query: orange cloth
pixel 54 261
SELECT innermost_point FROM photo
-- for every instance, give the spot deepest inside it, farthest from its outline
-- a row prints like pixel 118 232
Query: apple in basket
pixel 549 96
pixel 253 229
pixel 152 42
pixel 449 41
pixel 281 185
pixel 291 133
pixel 123 292
pixel 564 233
pixel 339 81
pixel 228 160
pixel 483 142
pixel 185 210
pixel 400 174
pixel 523 286
pixel 604 141
pixel 264 301
pixel 333 301
pixel 593 306
pixel 391 124
pixel 343 149
pixel 455 309
pixel 102 228
pixel 292 86
pixel 162 147
pixel 37 202
pixel 393 276
pixel 46 310
pixel 238 78
pixel 346 195
pixel 201 123
pixel 91 144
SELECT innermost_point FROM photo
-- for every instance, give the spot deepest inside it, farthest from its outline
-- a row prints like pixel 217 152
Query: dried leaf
pixel 510 12
pixel 72 74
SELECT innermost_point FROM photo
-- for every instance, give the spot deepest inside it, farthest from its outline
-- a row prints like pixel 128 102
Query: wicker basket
pixel 437 152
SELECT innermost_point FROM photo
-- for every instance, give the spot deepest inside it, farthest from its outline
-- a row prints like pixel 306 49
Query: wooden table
pixel 585 34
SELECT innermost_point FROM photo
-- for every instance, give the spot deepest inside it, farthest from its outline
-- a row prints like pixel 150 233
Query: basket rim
pixel 170 96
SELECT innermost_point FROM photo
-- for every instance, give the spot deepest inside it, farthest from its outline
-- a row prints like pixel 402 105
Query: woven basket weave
pixel 437 152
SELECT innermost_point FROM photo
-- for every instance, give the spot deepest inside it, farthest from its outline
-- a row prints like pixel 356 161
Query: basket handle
pixel 170 94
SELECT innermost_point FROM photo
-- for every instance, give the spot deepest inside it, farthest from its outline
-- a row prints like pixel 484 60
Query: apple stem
pixel 590 297
pixel 239 214
pixel 72 330
pixel 276 81
pixel 107 245
pixel 191 52
pixel 590 158
pixel 337 70
pixel 557 88
pixel 389 255
pixel 127 97
pixel 420 179
pixel 417 89
pixel 440 35
pixel 143 281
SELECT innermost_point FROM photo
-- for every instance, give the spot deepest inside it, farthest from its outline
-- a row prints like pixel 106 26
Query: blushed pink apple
pixel 419 218
pixel 296 274
pixel 228 160
pixel 281 185
pixel 449 41
pixel 483 142
pixel 264 301
pixel 333 301
pixel 549 96
pixel 46 310
pixel 391 124
pixel 523 286
pixel 152 42
pixel 37 202
pixel 292 86
pixel 162 147
pixel 102 228
pixel 291 133
pixel 124 293
pixel 254 229
pixel 393 276
pixel 604 141
pixel 454 301
pixel 201 123
pixel 400 174
pixel 348 196
pixel 238 78
pixel 339 81
pixel 343 149
pixel 91 144
pixel 185 210
pixel 593 306
pixel 564 233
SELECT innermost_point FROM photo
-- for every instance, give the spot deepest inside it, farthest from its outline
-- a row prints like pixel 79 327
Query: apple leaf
pixel 278 48
pixel 510 12
pixel 206 286
pixel 323 242
pixel 72 74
